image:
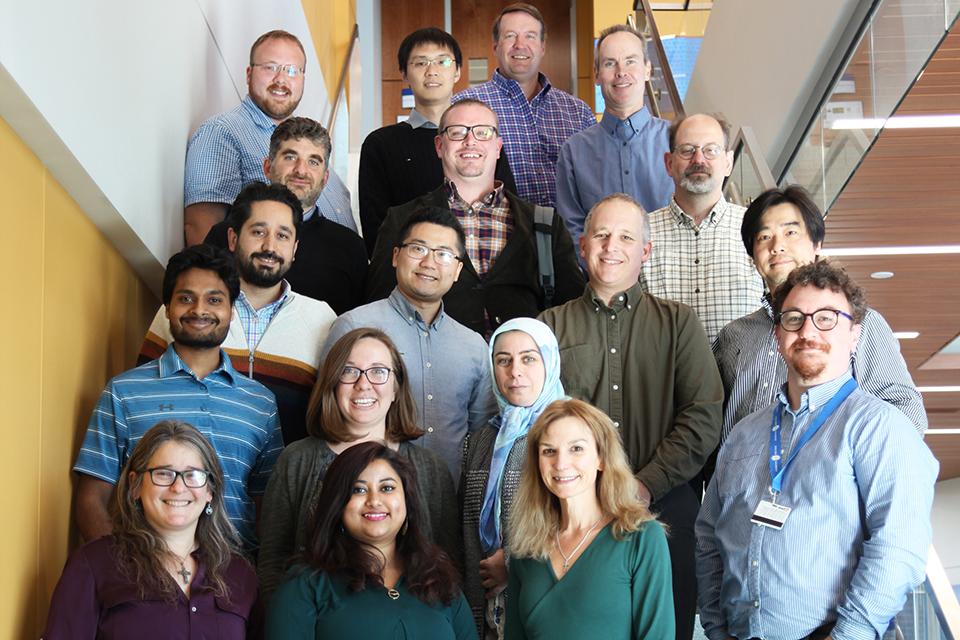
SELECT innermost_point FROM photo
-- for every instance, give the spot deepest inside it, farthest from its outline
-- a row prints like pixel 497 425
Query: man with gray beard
pixel 698 257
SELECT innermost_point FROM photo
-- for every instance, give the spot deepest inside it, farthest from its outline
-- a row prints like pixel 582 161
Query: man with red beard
pixel 826 456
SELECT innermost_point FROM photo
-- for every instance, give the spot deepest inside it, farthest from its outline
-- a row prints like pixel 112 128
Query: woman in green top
pixel 588 559
pixel 369 571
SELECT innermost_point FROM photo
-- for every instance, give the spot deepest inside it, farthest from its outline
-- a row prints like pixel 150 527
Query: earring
pixel 209 509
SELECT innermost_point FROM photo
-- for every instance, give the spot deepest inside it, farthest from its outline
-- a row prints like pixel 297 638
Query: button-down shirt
pixel 447 367
pixel 704 266
pixel 256 321
pixel 416 120
pixel 646 363
pixel 227 151
pixel 864 481
pixel 487 225
pixel 613 156
pixel 753 371
pixel 533 131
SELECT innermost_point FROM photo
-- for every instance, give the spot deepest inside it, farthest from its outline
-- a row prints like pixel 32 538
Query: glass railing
pixel 663 99
pixel 751 174
pixel 897 40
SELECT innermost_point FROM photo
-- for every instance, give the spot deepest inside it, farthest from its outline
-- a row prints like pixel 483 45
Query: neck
pixel 427 310
pixel 388 550
pixel 432 112
pixel 473 189
pixel 259 297
pixel 200 360
pixel 377 433
pixel 696 206
pixel 580 512
pixel 797 386
pixel 181 543
pixel 530 87
pixel 624 112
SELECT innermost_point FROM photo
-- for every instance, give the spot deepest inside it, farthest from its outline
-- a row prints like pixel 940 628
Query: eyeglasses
pixel 481 132
pixel 375 375
pixel 417 251
pixel 421 63
pixel 164 477
pixel 291 70
pixel 710 151
pixel 823 319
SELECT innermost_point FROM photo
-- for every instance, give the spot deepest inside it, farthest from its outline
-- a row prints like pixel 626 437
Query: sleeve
pixel 340 327
pixel 441 503
pixel 293 613
pixel 381 276
pixel 278 524
pixel 587 117
pixel 483 404
pixel 257 482
pixel 651 587
pixel 709 563
pixel 213 168
pixel 568 194
pixel 74 609
pixel 372 189
pixel 566 268
pixel 463 626
pixel 513 625
pixel 104 447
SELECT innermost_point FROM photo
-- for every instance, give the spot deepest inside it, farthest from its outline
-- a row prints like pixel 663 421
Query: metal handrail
pixel 745 143
pixel 342 82
pixel 942 597
pixel 651 24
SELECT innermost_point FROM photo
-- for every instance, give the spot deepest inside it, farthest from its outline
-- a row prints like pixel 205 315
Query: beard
pixel 261 276
pixel 806 366
pixel 697 185
pixel 212 339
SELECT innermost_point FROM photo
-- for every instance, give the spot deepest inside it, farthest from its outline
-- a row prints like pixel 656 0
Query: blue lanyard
pixel 778 471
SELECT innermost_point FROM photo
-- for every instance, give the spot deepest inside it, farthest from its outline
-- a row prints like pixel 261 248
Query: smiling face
pixel 569 460
pixel 277 94
pixel 468 158
pixel 518 368
pixel 698 175
pixel 266 245
pixel 377 507
pixel 426 281
pixel 175 508
pixel 520 48
pixel 782 244
pixel 614 248
pixel 301 166
pixel 431 84
pixel 199 310
pixel 622 72
pixel 364 406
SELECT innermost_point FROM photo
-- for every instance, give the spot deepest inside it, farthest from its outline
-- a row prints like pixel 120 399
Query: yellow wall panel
pixel 331 24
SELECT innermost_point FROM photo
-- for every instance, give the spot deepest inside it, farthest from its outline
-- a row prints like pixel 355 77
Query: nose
pixel 179 485
pixel 362 382
pixel 515 370
pixel 808 329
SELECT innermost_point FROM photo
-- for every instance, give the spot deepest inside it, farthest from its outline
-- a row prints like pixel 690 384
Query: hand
pixel 493 573
pixel 643 493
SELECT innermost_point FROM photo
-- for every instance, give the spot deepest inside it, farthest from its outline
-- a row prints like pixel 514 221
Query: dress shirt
pixel 446 365
pixel 864 481
pixel 487 225
pixel 613 156
pixel 753 371
pixel 256 321
pixel 703 266
pixel 533 131
pixel 646 363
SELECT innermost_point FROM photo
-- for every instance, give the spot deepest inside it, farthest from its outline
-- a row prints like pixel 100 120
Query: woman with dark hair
pixel 369 571
pixel 171 567
pixel 361 395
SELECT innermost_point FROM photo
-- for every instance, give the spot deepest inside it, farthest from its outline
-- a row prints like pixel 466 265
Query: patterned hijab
pixel 515 422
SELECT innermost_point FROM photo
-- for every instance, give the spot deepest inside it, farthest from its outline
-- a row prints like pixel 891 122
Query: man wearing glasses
pixel 825 456
pixel 227 151
pixel 399 162
pixel 500 278
pixel 447 363
pixel 698 258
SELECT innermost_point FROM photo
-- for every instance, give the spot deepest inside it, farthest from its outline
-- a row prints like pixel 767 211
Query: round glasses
pixel 823 319
pixel 481 132
pixel 164 477
pixel 419 251
pixel 375 375
pixel 289 70
pixel 710 151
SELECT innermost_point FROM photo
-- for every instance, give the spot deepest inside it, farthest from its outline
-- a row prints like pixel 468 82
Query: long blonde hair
pixel 536 511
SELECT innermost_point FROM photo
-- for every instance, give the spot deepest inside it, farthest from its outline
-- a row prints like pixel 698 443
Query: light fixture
pixel 939 389
pixel 942 432
pixel 898 122
pixel 881 275
pixel 931 249
pixel 906 335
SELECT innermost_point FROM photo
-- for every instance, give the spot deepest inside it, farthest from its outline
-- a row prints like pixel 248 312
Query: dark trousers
pixel 678 511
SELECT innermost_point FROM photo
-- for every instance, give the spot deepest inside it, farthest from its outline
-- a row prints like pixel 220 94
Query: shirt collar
pixel 417 120
pixel 624 300
pixel 512 86
pixel 713 218
pixel 636 121
pixel 491 199
pixel 262 120
pixel 284 293
pixel 312 212
pixel 170 364
pixel 814 397
pixel 409 313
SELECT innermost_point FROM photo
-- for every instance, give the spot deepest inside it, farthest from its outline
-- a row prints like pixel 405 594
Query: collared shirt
pixel 613 156
pixel 533 131
pixel 704 266
pixel 417 120
pixel 256 321
pixel 646 363
pixel 487 225
pixel 227 151
pixel 236 414
pixel 752 370
pixel 447 366
pixel 864 480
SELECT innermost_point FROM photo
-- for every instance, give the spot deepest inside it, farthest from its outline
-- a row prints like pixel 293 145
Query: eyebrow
pixel 507 353
pixel 205 293
pixel 792 223
pixel 427 244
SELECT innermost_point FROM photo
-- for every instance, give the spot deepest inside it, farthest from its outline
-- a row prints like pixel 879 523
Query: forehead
pixel 520 22
pixel 280 50
pixel 782 214
pixel 470 114
pixel 269 212
pixel 616 214
pixel 699 130
pixel 369 349
pixel 430 50
pixel 567 429
pixel 515 341
pixel 621 44
pixel 197 279
pixel 378 470
pixel 435 235
pixel 172 451
pixel 303 146
pixel 809 298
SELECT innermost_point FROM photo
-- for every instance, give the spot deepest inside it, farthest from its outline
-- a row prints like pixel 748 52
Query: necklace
pixel 184 572
pixel 573 552
pixel 393 594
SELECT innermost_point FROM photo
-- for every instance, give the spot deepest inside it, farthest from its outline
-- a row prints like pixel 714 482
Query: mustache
pixel 196 316
pixel 804 343
pixel 697 168
pixel 267 255
pixel 278 87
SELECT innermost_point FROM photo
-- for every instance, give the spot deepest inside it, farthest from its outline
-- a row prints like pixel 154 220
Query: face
pixel 568 457
pixel 426 280
pixel 432 84
pixel 469 158
pixel 301 166
pixel 614 247
pixel 377 508
pixel 698 175
pixel 622 72
pixel 520 47
pixel 177 507
pixel 813 355
pixel 266 244
pixel 518 368
pixel 363 405
pixel 199 310
pixel 782 244
pixel 277 94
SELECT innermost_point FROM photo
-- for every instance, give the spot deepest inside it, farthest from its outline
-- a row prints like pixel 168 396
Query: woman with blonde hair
pixel 587 556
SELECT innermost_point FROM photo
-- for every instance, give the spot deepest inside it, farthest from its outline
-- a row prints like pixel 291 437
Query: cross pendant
pixel 185 574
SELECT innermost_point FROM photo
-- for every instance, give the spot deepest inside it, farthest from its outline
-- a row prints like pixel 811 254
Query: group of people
pixel 540 411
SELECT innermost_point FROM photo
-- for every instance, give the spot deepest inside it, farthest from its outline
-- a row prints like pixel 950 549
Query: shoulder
pixel 556 316
pixel 310 451
pixel 476 92
pixel 401 212
pixel 426 461
pixel 144 372
pixel 241 578
pixel 222 123
pixel 387 133
pixel 255 392
pixel 315 312
pixel 875 325
pixel 478 446
pixel 471 343
pixel 372 313
pixel 753 325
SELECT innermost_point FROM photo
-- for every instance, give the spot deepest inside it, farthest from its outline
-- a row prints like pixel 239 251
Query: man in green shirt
pixel 646 362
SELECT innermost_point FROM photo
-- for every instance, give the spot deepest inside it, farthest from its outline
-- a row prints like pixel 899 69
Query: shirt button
pixel 620 298
pixel 626 172
pixel 697 290
pixel 429 429
pixel 613 316
pixel 203 407
pixel 754 563
pixel 756 603
pixel 425 334
pixel 428 365
pixel 616 424
pixel 764 385
pixel 429 396
pixel 613 350
pixel 616 387
pixel 697 261
pixel 409 318
pixel 769 353
pixel 193 609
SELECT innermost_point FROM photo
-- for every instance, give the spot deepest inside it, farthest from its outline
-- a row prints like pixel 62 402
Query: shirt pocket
pixel 744 475
pixel 582 368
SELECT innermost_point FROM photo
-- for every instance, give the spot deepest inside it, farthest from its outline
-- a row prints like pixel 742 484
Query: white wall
pixel 946 526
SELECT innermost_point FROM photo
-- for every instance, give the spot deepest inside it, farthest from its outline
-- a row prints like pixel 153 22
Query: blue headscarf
pixel 516 421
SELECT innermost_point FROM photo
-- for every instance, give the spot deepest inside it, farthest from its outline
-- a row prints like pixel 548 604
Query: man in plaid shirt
pixel 535 117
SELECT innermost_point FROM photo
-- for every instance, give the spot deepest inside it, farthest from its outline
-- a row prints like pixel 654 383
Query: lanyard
pixel 778 471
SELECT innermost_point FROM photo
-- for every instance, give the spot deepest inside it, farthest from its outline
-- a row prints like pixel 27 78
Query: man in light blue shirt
pixel 623 153
pixel 816 523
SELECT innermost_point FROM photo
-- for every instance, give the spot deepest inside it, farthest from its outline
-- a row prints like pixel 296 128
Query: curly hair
pixel 823 274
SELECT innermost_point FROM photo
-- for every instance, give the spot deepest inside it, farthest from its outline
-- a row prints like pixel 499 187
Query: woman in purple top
pixel 170 569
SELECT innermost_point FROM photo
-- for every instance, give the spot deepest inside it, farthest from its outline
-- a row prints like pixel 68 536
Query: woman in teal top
pixel 587 558
pixel 368 571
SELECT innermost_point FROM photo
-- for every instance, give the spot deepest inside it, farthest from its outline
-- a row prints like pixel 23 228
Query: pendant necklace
pixel 573 552
pixel 184 572
pixel 393 594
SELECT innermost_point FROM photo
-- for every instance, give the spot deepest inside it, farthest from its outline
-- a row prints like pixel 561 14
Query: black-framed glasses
pixel 289 70
pixel 481 132
pixel 164 477
pixel 419 251
pixel 823 319
pixel 375 375
pixel 422 62
pixel 710 151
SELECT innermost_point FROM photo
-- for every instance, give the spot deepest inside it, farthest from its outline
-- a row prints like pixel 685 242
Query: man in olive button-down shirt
pixel 646 362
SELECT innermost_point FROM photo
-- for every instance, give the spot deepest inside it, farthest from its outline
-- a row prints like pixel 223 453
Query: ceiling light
pixel 942 432
pixel 881 275
pixel 931 249
pixel 939 389
pixel 906 335
pixel 898 122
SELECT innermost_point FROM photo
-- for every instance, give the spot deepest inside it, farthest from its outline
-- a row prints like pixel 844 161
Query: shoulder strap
pixel 543 229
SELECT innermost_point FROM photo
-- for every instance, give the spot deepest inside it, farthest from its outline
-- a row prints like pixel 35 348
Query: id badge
pixel 770 514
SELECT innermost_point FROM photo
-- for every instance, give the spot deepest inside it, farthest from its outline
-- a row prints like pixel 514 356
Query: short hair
pixel 521 7
pixel 627 199
pixel 299 127
pixel 240 210
pixel 679 120
pixel 434 215
pixel 324 419
pixel 463 103
pixel 823 274
pixel 618 28
pixel 428 35
pixel 535 515
pixel 201 256
pixel 278 34
pixel 792 194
